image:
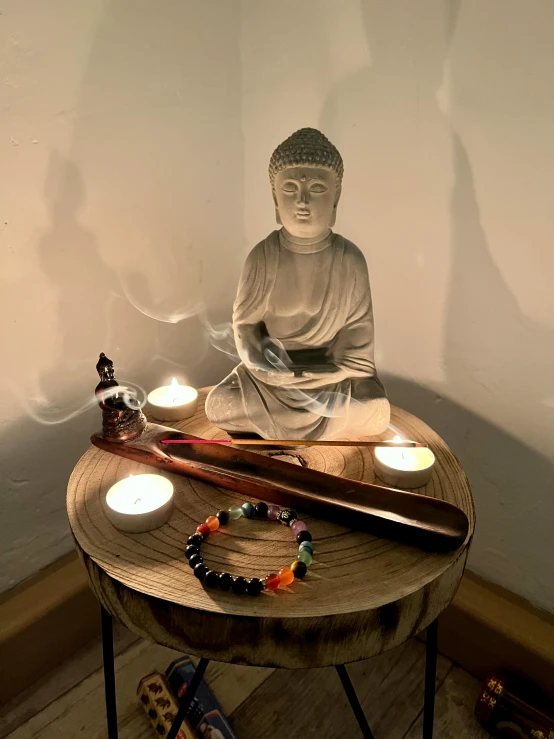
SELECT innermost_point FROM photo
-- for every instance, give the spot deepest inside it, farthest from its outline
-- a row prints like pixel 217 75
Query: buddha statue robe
pixel 305 307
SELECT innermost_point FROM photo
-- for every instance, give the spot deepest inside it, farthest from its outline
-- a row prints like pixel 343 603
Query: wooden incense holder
pixel 426 522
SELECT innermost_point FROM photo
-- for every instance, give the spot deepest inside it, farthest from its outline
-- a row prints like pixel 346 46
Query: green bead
pixel 235 511
pixel 305 556
pixel 247 510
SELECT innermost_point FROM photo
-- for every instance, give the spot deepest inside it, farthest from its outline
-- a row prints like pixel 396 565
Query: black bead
pixel 223 517
pixel 303 536
pixel 196 559
pixel 195 540
pixel 225 581
pixel 200 571
pixel 254 586
pixel 211 578
pixel 287 516
pixel 299 569
pixel 261 510
pixel 190 550
pixel 239 585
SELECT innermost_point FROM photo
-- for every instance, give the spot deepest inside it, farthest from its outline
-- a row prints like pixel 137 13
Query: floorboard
pixel 296 704
pixel 455 701
pixel 53 685
pixel 273 704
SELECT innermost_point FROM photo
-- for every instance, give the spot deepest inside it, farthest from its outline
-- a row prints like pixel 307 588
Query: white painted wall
pixel 122 158
pixel 134 143
pixel 443 112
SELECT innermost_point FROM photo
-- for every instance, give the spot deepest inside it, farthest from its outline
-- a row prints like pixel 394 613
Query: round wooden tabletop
pixel 362 595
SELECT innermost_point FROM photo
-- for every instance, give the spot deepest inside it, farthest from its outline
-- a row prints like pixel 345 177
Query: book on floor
pixel 205 714
pixel 160 696
pixel 510 706
pixel 160 705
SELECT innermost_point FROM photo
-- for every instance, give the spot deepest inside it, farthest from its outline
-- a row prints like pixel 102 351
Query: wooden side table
pixel 362 595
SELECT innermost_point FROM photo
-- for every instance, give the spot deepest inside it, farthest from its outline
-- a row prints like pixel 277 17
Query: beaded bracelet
pixel 252 586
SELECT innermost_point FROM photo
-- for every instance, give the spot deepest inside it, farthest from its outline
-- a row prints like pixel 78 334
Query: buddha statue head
pixel 305 172
pixel 105 369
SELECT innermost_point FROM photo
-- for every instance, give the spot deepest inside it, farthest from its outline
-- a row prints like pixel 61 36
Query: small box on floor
pixel 513 708
pixel 160 705
pixel 205 714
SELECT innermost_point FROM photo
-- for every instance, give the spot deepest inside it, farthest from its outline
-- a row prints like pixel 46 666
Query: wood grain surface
pixel 362 596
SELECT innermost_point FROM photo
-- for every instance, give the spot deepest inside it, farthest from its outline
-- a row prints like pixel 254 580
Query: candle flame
pixel 397 439
pixel 174 382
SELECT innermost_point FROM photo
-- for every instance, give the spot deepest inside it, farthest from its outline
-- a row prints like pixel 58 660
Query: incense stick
pixel 294 442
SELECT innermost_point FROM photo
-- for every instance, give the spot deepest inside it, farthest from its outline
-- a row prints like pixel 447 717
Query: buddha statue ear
pixel 277 216
pixel 334 216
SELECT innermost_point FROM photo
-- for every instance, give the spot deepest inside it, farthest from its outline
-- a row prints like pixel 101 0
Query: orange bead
pixel 286 575
pixel 212 523
pixel 272 582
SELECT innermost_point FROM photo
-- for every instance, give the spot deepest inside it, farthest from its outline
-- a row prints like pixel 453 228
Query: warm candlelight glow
pixel 173 402
pixel 140 502
pixel 178 394
pixel 403 467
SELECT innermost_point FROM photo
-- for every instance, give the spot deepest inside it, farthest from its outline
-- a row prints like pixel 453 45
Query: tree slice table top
pixel 362 595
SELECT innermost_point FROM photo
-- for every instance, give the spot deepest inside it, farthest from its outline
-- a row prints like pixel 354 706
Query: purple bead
pixel 298 526
pixel 273 512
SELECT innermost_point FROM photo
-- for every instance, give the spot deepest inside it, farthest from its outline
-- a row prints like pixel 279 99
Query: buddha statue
pixel 302 318
pixel 122 420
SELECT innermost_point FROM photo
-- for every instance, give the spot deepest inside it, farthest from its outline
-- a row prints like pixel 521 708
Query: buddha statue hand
pixel 255 361
pixel 272 372
pixel 331 373
pixel 267 357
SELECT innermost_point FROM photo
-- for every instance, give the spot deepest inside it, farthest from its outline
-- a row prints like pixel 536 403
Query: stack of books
pixel 160 695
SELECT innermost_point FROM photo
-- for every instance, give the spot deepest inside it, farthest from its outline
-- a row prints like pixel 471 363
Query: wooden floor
pixel 261 703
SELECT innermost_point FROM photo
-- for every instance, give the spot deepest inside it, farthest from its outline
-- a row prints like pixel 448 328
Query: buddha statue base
pixel 243 404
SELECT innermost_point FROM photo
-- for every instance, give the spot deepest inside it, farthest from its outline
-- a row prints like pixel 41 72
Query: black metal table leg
pixel 354 702
pixel 109 673
pixel 431 651
pixel 188 698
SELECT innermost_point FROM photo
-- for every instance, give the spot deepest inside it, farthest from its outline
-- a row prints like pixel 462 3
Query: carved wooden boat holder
pixel 420 520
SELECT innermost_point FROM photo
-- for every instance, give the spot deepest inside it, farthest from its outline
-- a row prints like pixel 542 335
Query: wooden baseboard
pixel 47 619
pixel 487 628
pixel 44 621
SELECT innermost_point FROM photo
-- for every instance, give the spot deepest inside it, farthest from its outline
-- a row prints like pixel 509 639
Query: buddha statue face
pixel 105 368
pixel 305 172
pixel 306 199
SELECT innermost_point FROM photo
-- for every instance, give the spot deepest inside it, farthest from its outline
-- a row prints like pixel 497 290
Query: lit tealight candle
pixel 173 402
pixel 402 467
pixel 139 503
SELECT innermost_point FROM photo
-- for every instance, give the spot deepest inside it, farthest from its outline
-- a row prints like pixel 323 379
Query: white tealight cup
pixel 403 467
pixel 173 402
pixel 139 503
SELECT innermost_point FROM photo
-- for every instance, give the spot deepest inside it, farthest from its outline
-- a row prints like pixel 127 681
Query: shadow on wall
pixel 495 358
pixel 492 350
pixel 492 353
pixel 512 487
pixel 158 137
pixel 40 449
pixel 69 257
pixel 154 153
